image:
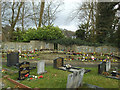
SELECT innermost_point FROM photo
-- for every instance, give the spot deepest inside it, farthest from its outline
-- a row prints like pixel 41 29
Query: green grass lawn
pixel 98 80
pixel 55 78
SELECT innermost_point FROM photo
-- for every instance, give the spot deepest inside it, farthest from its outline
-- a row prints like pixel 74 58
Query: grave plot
pixel 24 70
pixel 90 57
pixel 55 78
pixel 59 64
pixel 104 68
pixel 28 54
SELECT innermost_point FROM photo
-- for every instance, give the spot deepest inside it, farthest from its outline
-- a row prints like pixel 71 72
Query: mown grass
pixel 95 79
pixel 55 78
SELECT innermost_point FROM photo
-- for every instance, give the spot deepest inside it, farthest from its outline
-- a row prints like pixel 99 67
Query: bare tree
pixel 86 13
pixel 51 8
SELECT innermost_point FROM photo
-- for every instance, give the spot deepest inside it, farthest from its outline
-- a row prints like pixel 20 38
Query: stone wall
pixel 27 46
pixel 101 49
pixel 43 45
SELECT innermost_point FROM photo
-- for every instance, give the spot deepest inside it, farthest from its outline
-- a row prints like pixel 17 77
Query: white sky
pixel 63 18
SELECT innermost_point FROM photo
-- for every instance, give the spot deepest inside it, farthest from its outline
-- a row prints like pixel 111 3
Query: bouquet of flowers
pixel 68 66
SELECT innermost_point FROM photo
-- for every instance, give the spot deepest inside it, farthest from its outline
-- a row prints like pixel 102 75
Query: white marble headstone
pixel 108 65
pixel 41 67
pixel 75 79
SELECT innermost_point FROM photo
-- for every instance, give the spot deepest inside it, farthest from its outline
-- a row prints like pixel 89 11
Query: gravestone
pixel 102 67
pixel 75 79
pixel 108 65
pixel 58 62
pixel 46 45
pixel 12 58
pixel 24 68
pixel 41 67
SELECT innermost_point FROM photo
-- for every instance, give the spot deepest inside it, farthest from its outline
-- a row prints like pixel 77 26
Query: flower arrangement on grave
pixel 68 66
pixel 106 74
pixel 31 77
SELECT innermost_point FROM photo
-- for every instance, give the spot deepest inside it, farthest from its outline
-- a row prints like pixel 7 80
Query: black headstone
pixel 101 67
pixel 24 68
pixel 58 62
pixel 12 58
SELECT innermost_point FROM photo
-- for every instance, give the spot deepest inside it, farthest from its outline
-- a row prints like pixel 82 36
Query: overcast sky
pixel 64 17
pixel 64 20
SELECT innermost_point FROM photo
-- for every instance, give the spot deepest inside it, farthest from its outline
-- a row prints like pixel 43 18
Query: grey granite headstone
pixel 75 79
pixel 41 67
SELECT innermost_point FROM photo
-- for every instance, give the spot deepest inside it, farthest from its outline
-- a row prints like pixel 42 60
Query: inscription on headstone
pixel 23 70
pixel 41 67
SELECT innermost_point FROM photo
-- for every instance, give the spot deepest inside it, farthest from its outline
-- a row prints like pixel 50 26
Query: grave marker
pixel 100 68
pixel 104 67
pixel 108 65
pixel 12 58
pixel 58 62
pixel 75 79
pixel 24 68
pixel 41 67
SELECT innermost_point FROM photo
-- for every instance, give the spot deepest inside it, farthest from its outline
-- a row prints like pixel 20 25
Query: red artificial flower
pixel 26 75
pixel 31 78
pixel 40 76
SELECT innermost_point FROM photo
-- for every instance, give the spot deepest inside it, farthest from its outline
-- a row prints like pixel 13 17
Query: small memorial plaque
pixel 23 70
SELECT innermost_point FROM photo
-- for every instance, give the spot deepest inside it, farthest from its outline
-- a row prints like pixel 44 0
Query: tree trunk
pixel 13 23
pixel 41 12
pixel 23 17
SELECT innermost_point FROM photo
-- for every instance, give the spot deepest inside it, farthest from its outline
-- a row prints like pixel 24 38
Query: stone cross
pixel 41 67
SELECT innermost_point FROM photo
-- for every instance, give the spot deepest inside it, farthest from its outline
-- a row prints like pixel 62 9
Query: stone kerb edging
pixel 17 83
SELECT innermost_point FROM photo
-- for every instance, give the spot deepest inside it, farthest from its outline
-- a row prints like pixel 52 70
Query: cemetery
pixel 56 44
pixel 23 69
